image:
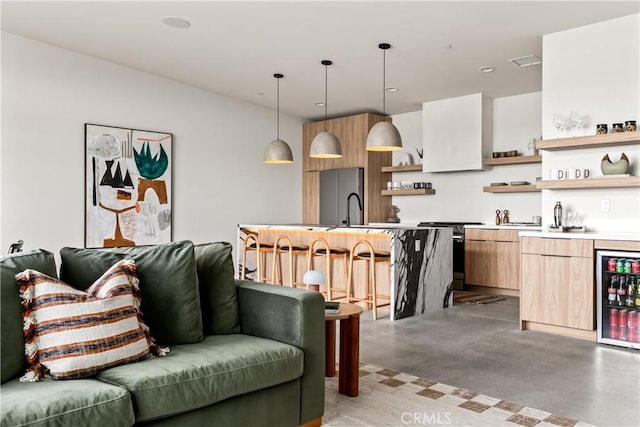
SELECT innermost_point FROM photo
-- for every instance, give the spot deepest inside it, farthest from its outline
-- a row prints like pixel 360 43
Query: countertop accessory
pixel 393 215
pixel 630 126
pixel 519 183
pixel 563 229
pixel 614 168
pixel 505 217
pixel 325 145
pixel 384 136
pixel 557 215
pixel 602 129
pixel 278 151
pixel 498 220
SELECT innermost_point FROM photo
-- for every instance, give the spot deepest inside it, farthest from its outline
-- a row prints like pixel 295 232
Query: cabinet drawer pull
pixel 556 256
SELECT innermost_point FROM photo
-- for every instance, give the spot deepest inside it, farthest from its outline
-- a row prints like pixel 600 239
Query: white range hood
pixel 457 133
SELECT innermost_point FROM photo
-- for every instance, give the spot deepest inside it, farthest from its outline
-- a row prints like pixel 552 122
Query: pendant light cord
pixel 326 67
pixel 278 109
pixel 384 81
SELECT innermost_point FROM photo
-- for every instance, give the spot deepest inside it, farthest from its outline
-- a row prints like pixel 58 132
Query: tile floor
pixel 479 347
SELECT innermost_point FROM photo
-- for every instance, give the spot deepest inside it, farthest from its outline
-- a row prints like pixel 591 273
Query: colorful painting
pixel 127 187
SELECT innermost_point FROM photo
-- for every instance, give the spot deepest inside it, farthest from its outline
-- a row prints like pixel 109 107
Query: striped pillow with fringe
pixel 73 334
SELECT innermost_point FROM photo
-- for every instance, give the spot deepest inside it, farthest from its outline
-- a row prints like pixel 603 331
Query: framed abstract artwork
pixel 128 174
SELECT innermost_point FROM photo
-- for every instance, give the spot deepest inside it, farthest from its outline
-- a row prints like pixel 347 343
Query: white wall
pixel 459 195
pixel 219 178
pixel 595 70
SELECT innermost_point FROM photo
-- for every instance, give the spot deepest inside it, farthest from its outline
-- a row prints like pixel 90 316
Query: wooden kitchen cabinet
pixel 352 132
pixel 557 292
pixel 492 259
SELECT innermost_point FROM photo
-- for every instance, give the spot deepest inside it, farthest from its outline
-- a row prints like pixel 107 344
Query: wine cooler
pixel 618 298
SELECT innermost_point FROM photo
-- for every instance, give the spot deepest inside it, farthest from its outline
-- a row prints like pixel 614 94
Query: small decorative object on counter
pixel 498 220
pixel 617 127
pixel 505 218
pixel 531 146
pixel 557 215
pixel 630 126
pixel 614 168
pixel 602 129
pixel 393 214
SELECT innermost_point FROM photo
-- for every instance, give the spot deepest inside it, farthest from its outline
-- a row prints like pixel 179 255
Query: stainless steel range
pixel 458 248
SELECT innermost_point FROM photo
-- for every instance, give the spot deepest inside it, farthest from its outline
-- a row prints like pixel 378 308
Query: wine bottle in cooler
pixel 622 291
pixel 612 290
pixel 631 292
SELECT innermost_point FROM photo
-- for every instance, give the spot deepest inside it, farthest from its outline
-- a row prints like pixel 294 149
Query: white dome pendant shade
pixel 325 145
pixel 278 151
pixel 384 136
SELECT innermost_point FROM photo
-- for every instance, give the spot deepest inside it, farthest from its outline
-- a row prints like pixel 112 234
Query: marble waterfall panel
pixel 422 271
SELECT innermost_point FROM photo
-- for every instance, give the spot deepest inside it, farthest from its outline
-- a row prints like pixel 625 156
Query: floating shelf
pixel 610 139
pixel 405 168
pixel 511 188
pixel 517 160
pixel 409 192
pixel 559 184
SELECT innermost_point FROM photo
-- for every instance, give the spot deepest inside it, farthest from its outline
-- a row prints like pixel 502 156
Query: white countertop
pixel 600 235
pixel 506 227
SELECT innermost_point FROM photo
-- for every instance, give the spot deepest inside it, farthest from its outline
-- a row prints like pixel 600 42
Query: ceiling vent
pixel 526 61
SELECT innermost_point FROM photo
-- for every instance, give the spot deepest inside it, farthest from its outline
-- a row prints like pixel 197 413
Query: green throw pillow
pixel 220 313
pixel 11 334
pixel 168 283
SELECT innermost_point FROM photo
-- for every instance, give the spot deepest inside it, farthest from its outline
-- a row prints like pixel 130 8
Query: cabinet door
pixel 557 290
pixel 477 262
pixel 506 265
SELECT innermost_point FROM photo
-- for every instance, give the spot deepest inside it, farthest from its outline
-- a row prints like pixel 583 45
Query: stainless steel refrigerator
pixel 335 187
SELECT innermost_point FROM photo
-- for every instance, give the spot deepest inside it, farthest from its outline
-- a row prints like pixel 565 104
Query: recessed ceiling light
pixel 526 61
pixel 392 89
pixel 319 104
pixel 487 69
pixel 174 22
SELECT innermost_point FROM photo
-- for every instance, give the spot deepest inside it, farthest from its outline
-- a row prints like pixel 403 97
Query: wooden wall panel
pixel 311 197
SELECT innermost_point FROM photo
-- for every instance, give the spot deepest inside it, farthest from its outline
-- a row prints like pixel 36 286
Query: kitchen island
pixel 421 261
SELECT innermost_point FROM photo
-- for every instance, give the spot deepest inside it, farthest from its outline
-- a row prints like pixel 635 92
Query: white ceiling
pixel 233 48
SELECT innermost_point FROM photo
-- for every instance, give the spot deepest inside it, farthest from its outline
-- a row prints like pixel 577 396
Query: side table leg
pixel 349 356
pixel 330 348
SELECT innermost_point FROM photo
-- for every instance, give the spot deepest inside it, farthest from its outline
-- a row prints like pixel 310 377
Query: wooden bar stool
pixel 372 257
pixel 253 243
pixel 293 251
pixel 329 253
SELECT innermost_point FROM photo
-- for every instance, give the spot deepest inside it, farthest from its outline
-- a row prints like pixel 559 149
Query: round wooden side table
pixel 348 375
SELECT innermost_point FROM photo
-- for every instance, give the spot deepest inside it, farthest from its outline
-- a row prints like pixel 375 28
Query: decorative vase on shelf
pixel 614 168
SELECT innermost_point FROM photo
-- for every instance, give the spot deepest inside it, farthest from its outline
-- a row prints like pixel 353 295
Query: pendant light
pixel 325 145
pixel 278 151
pixel 384 136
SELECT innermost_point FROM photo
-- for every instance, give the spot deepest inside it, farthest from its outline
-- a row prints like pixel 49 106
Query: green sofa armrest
pixel 295 317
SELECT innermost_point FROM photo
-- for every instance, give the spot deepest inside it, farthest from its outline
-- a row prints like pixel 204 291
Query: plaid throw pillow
pixel 72 334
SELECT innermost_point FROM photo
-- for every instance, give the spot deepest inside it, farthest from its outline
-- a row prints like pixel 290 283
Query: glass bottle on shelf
pixel 613 290
pixel 622 291
pixel 631 291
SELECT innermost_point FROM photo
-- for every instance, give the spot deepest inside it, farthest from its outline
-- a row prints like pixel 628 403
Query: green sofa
pixel 249 354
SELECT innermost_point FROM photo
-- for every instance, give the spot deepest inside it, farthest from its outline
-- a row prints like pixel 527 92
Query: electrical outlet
pixel 605 206
pixel 417 247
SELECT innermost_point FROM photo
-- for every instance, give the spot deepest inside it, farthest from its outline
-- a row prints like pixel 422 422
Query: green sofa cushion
pixel 168 283
pixel 220 313
pixel 196 375
pixel 70 403
pixel 12 337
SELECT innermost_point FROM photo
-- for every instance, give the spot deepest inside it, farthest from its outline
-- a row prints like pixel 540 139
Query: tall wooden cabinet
pixel 352 132
pixel 492 258
pixel 557 286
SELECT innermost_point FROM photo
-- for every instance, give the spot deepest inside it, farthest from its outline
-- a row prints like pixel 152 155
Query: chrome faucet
pixel 349 204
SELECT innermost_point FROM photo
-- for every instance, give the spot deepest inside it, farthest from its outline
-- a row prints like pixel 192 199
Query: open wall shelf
pixel 405 168
pixel 610 139
pixel 614 182
pixel 517 160
pixel 510 188
pixel 409 192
